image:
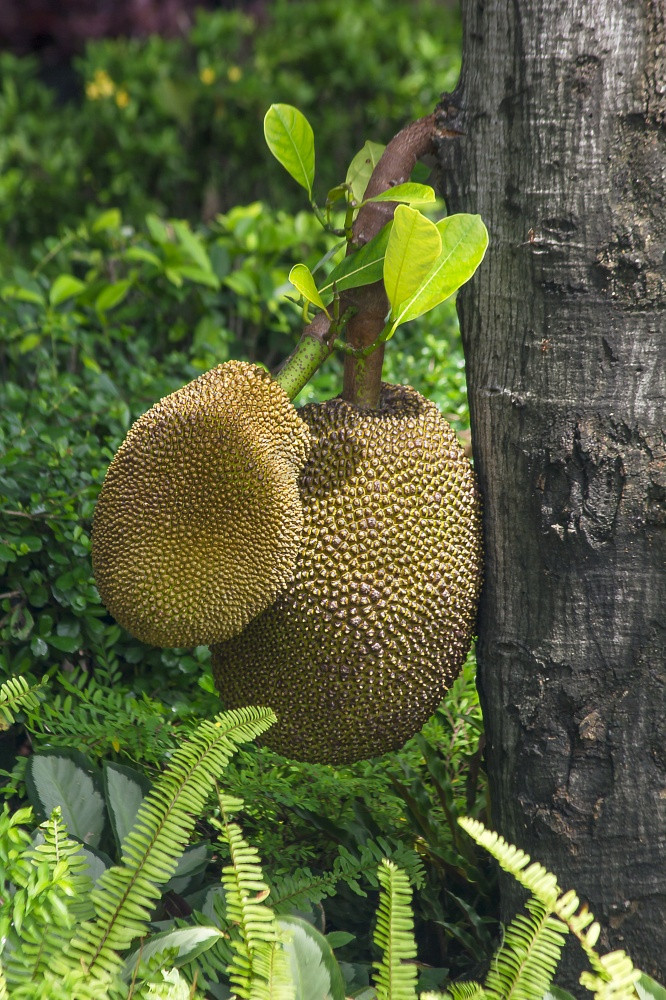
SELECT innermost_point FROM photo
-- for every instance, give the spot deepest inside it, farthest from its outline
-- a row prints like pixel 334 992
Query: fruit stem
pixel 363 374
pixel 368 305
pixel 314 346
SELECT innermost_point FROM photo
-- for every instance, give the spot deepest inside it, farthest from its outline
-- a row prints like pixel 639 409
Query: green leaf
pixel 111 219
pixel 649 989
pixel 112 295
pixel 362 267
pixel 314 969
pixel 142 255
pixel 65 286
pixel 183 945
pixel 338 939
pixel 413 247
pixel 464 241
pixel 290 138
pixel 191 863
pixel 29 342
pixel 411 194
pixel 191 244
pixel 361 167
pixel 125 789
pixel 302 280
pixel 65 778
pixel 21 293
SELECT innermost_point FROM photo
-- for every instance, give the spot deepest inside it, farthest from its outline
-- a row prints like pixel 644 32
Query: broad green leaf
pixel 157 228
pixel 125 789
pixel 314 969
pixel 410 194
pixel 197 275
pixel 142 255
pixel 22 294
pixel 649 989
pixel 361 167
pixel 191 863
pixel 557 993
pixel 112 295
pixel 413 247
pixel 290 139
pixel 65 778
pixel 111 219
pixel 362 267
pixel 336 194
pixel 464 241
pixel 65 286
pixel 183 946
pixel 191 245
pixel 302 280
pixel 29 342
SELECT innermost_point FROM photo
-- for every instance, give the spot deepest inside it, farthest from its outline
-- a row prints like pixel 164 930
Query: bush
pixel 173 126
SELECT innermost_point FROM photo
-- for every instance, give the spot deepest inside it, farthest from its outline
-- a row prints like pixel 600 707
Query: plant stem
pixel 363 375
pixel 368 304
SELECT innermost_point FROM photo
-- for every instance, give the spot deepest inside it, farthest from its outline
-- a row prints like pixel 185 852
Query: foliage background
pixel 147 237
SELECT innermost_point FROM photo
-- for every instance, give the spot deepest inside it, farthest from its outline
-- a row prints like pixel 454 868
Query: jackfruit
pixel 199 520
pixel 358 649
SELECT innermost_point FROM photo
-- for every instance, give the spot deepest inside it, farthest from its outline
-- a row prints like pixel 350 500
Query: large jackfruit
pixel 357 651
pixel 199 520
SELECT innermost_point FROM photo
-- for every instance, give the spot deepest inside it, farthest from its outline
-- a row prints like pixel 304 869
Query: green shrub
pixel 173 126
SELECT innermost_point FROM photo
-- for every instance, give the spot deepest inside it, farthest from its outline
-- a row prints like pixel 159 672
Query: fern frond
pixel 16 695
pixel 273 974
pixel 252 923
pixel 469 990
pixel 51 894
pixel 530 874
pixel 126 894
pixel 525 964
pixel 304 887
pixel 616 979
pixel 4 995
pixel 394 935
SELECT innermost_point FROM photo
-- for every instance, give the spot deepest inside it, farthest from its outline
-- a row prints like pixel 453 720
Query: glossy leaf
pixel 183 945
pixel 410 194
pixel 361 167
pixel 464 241
pixel 413 247
pixel 302 280
pixel 648 988
pixel 290 139
pixel 362 267
pixel 112 295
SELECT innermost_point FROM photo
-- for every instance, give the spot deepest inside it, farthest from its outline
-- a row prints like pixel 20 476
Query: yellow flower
pixel 234 73
pixel 101 85
pixel 122 98
pixel 207 76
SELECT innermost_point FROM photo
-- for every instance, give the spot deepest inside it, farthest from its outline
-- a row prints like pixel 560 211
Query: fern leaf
pixel 524 966
pixel 126 894
pixel 469 990
pixel 394 935
pixel 273 975
pixel 253 928
pixel 533 876
pixel 15 696
pixel 51 894
pixel 4 995
pixel 616 979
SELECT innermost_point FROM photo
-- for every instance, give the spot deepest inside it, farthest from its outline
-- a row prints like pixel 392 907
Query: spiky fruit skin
pixel 357 651
pixel 199 520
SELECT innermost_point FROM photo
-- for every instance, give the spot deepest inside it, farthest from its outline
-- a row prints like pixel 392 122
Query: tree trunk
pixel 563 110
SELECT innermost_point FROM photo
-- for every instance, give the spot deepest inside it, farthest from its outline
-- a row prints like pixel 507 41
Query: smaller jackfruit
pixel 199 520
pixel 357 651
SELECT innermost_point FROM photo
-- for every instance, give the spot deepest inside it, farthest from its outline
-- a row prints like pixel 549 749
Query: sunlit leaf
pixel 361 167
pixel 290 139
pixel 65 286
pixel 362 267
pixel 302 280
pixel 464 241
pixel 410 194
pixel 413 247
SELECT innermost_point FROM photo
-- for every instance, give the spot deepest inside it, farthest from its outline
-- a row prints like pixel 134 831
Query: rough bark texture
pixel 563 106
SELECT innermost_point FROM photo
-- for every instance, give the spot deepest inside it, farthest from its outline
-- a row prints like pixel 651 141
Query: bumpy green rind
pixel 199 521
pixel 357 651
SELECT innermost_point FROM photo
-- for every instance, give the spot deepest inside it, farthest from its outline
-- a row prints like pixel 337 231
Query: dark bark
pixel 563 106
